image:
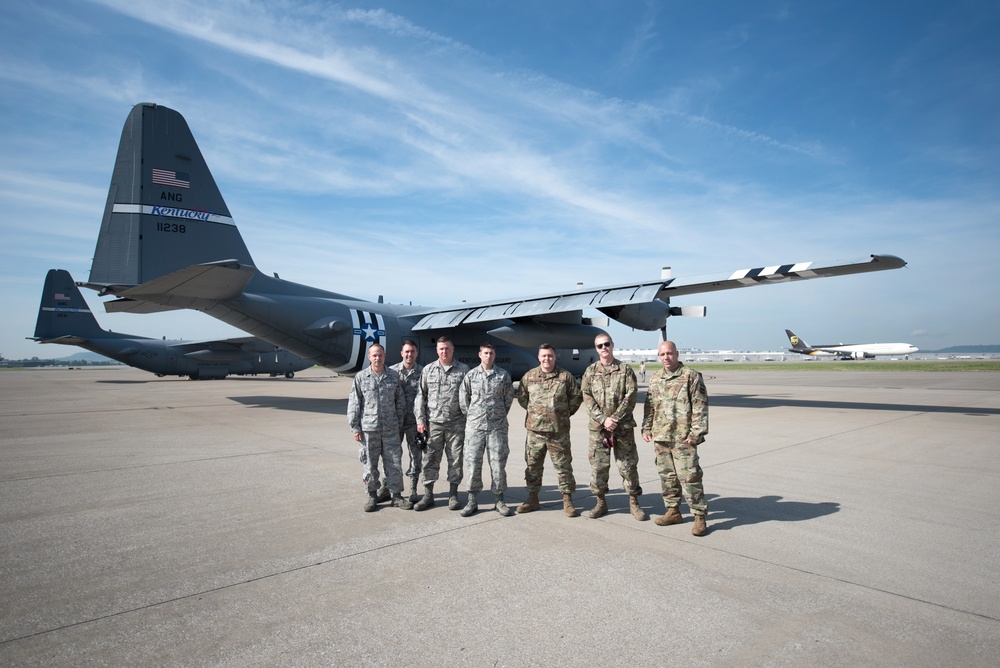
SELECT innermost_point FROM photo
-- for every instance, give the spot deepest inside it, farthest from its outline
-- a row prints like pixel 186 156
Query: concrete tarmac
pixel 854 520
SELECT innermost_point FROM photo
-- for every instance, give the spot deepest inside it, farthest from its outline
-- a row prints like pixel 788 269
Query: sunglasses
pixel 605 344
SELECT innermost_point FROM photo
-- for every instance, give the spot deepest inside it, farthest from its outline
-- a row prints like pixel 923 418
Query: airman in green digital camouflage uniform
pixel 550 395
pixel 609 390
pixel 675 418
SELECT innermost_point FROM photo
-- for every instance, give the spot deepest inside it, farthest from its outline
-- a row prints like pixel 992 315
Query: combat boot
pixel 699 528
pixel 600 508
pixel 400 502
pixel 471 507
pixel 371 504
pixel 637 512
pixel 672 516
pixel 502 508
pixel 382 495
pixel 428 499
pixel 569 510
pixel 531 503
pixel 453 503
pixel 414 497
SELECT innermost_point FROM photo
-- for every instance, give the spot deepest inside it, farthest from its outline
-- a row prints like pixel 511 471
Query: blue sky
pixel 440 151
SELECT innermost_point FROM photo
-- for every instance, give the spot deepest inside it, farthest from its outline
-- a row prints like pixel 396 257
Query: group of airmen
pixel 446 409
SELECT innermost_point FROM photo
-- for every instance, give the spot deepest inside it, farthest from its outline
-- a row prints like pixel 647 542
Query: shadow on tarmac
pixel 728 512
pixel 724 512
pixel 328 406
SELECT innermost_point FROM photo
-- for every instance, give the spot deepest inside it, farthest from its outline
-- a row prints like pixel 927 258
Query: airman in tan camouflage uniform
pixel 609 389
pixel 550 395
pixel 442 420
pixel 675 418
pixel 485 397
pixel 375 409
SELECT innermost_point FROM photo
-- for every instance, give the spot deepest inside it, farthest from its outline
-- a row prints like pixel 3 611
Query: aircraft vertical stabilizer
pixel 798 345
pixel 164 211
pixel 64 312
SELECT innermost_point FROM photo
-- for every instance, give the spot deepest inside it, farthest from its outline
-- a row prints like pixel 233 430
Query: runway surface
pixel 854 520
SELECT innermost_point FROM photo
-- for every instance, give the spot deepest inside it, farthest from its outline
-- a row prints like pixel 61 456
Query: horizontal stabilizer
pixel 192 287
pixel 136 307
pixel 65 340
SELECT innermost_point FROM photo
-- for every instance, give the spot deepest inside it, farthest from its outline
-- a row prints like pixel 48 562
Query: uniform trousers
pixel 444 439
pixel 494 443
pixel 680 473
pixel 557 445
pixel 416 454
pixel 626 456
pixel 382 445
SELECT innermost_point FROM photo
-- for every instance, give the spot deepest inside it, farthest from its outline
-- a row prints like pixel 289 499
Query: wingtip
pixel 892 261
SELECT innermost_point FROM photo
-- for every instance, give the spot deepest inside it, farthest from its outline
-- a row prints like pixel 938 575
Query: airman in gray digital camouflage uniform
pixel 550 395
pixel 409 373
pixel 375 409
pixel 609 390
pixel 675 418
pixel 442 420
pixel 485 397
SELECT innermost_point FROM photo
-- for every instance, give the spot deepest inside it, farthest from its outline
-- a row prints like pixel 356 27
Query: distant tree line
pixel 38 362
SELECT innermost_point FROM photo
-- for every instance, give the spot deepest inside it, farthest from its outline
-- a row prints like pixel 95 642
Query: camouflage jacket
pixel 609 392
pixel 676 406
pixel 485 397
pixel 376 403
pixel 549 398
pixel 437 400
pixel 411 387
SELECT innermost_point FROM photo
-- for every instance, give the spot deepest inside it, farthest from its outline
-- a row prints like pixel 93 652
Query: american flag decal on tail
pixel 168 177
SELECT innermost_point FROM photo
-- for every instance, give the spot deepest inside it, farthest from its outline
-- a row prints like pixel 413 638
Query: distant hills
pixel 968 350
pixel 84 356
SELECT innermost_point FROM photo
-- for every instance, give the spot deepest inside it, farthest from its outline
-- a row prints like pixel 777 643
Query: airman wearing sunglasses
pixel 609 392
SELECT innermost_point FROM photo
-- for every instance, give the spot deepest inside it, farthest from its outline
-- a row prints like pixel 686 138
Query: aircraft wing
pixel 248 344
pixel 611 298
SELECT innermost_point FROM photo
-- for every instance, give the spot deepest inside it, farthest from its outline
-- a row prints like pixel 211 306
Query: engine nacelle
pixel 534 334
pixel 651 316
pixel 648 316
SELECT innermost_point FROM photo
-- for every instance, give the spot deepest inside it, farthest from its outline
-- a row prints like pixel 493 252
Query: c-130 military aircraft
pixel 64 317
pixel 168 241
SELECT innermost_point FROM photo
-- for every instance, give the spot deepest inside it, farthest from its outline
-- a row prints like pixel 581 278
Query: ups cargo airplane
pixel 848 351
pixel 168 241
pixel 64 317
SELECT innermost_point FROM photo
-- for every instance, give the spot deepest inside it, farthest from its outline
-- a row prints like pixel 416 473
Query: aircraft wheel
pixel 290 374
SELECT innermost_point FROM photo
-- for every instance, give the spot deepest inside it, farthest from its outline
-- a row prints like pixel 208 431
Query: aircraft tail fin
pixel 798 345
pixel 63 314
pixel 164 211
